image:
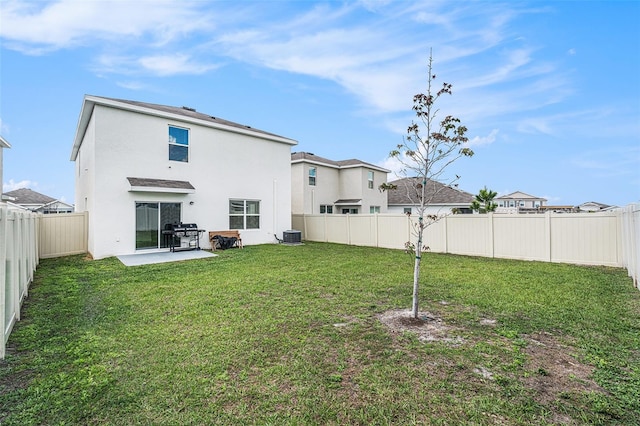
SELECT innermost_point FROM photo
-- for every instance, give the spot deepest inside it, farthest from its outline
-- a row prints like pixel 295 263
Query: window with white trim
pixel 374 209
pixel 178 144
pixel 370 181
pixel 244 214
pixel 326 209
pixel 407 210
pixel 312 176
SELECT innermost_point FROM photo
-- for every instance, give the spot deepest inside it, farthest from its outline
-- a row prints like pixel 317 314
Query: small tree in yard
pixel 483 202
pixel 427 150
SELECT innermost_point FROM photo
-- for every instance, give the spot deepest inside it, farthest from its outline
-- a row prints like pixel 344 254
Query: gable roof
pixel 405 193
pixel 308 157
pixel 519 196
pixel 177 113
pixel 26 196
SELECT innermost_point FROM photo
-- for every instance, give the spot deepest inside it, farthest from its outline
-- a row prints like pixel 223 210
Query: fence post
pixel 3 277
pixel 492 252
pixel 547 235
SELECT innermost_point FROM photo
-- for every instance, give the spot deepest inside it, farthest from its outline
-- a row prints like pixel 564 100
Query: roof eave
pixel 90 102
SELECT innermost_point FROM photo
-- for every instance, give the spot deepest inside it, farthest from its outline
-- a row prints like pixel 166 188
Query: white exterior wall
pixel 431 210
pixel 222 165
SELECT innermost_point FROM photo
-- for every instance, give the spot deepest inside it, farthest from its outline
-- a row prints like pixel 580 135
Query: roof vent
pixel 189 109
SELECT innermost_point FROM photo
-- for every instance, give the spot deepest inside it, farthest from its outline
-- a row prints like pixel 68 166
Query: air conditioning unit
pixel 292 237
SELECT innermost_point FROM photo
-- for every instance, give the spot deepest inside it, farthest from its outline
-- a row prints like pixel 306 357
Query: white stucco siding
pixel 297 188
pixel 324 192
pixel 222 165
pixel 438 210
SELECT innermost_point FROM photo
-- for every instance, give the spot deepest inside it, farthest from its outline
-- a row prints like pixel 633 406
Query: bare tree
pixel 426 151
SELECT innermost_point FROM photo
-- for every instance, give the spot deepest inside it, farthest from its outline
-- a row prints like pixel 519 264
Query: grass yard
pixel 277 335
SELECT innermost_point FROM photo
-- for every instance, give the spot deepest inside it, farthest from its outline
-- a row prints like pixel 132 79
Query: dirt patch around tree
pixel 552 369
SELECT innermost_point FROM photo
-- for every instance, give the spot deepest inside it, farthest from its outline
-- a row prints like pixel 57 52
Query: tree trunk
pixel 416 270
pixel 416 278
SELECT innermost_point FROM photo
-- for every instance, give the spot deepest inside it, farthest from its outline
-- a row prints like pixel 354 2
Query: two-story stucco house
pixel 442 199
pixel 140 167
pixel 519 202
pixel 323 186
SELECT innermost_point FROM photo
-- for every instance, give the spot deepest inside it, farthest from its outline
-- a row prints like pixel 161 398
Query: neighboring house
pixel 141 167
pixel 592 206
pixel 322 186
pixel 3 144
pixel 29 199
pixel 519 202
pixel 442 199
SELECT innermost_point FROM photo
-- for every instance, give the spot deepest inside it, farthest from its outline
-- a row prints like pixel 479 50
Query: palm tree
pixel 483 202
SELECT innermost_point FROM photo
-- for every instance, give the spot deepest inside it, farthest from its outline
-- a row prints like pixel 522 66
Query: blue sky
pixel 549 90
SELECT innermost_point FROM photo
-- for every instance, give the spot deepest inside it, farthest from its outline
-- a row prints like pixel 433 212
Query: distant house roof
pixel 160 185
pixel 26 196
pixel 519 196
pixel 180 113
pixel 307 157
pixel 405 193
pixel 594 204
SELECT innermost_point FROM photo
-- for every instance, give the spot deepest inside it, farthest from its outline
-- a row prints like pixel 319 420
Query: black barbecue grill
pixel 182 236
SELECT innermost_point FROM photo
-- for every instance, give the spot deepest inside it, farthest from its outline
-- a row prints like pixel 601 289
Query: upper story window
pixel 178 144
pixel 326 209
pixel 312 176
pixel 244 214
pixel 370 182
pixel 374 209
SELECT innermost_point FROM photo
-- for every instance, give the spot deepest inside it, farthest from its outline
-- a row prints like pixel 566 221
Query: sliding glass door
pixel 151 219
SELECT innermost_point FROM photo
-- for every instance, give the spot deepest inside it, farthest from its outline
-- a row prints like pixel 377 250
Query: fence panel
pixel 588 238
pixel 607 238
pixel 521 237
pixel 630 244
pixel 18 261
pixel 63 234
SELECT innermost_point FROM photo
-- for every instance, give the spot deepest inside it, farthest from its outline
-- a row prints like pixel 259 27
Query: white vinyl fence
pixel 25 238
pixel 606 238
pixel 18 261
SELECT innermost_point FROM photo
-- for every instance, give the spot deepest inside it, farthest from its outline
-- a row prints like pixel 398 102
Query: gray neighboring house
pixel 323 186
pixel 36 202
pixel 444 199
pixel 3 144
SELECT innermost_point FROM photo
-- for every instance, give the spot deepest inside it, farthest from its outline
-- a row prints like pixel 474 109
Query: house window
pixel 374 209
pixel 407 210
pixel 244 214
pixel 178 144
pixel 326 209
pixel 370 182
pixel 312 176
pixel 521 203
pixel 512 203
pixel 349 211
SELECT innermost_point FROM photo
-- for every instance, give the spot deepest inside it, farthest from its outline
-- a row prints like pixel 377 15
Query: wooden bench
pixel 235 233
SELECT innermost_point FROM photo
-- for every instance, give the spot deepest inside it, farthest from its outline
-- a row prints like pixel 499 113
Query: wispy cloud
pixel 40 27
pixel 13 185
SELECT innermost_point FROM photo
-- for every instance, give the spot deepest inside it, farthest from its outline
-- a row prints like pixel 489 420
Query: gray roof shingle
pixel 406 193
pixel 28 196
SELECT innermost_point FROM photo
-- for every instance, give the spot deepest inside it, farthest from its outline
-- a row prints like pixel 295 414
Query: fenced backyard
pixel 303 335
pixel 607 238
pixel 610 239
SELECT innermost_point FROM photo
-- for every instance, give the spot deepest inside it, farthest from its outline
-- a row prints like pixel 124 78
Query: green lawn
pixel 275 334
